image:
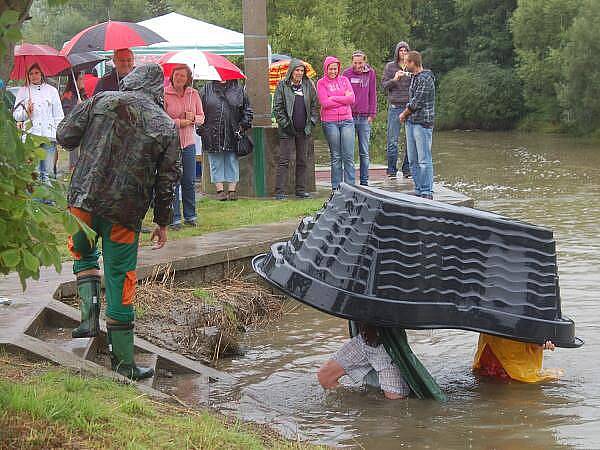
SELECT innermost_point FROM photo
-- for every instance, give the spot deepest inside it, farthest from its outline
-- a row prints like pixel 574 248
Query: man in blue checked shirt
pixel 419 115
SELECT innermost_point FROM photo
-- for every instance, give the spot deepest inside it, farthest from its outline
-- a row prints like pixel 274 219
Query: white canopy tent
pixel 184 33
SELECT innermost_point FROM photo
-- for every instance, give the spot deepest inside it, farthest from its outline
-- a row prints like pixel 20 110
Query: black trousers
pixel 287 145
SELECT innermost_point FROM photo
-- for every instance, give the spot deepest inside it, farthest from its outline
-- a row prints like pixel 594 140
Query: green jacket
pixel 129 151
pixel 283 102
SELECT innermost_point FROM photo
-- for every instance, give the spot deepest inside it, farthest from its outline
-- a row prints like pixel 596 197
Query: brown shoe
pixel 232 195
pixel 221 196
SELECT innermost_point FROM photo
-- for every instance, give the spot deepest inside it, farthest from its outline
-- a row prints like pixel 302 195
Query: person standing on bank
pixel 39 103
pixel 364 84
pixel 295 108
pixel 183 105
pixel 129 156
pixel 419 116
pixel 74 94
pixel 337 97
pixel 396 84
pixel 123 60
pixel 227 114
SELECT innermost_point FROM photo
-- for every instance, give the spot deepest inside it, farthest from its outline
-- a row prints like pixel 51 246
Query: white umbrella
pixel 204 65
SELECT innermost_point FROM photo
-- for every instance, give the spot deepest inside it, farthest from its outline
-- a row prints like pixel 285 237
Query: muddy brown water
pixel 547 180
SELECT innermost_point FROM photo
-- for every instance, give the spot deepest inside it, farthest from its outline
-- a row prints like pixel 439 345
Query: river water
pixel 547 180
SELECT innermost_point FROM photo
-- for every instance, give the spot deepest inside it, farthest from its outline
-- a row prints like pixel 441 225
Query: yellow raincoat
pixel 521 361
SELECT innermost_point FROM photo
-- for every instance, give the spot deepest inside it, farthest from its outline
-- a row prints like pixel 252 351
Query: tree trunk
pixel 22 7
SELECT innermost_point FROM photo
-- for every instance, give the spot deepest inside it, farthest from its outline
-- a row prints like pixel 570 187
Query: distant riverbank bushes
pixel 499 64
pixel 482 96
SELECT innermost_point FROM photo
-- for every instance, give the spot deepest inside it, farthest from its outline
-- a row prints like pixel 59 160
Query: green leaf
pixel 13 34
pixel 9 17
pixel 30 261
pixel 11 258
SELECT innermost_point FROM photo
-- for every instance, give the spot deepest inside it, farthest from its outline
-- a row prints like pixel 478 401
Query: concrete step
pixel 46 335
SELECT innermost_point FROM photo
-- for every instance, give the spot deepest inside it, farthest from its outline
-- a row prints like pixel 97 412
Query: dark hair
pixel 71 82
pixel 188 72
pixel 415 57
pixel 30 68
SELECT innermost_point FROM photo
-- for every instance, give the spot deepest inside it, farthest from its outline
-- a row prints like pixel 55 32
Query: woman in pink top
pixel 183 105
pixel 337 97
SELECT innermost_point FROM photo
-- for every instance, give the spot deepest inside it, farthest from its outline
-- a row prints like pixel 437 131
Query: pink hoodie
pixel 335 95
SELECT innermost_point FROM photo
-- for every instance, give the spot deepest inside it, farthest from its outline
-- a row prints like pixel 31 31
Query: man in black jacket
pixel 123 59
pixel 295 108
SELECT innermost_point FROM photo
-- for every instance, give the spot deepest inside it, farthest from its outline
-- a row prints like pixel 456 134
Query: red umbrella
pixel 204 65
pixel 45 56
pixel 111 35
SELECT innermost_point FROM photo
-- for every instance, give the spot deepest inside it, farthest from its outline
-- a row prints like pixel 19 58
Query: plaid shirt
pixel 421 99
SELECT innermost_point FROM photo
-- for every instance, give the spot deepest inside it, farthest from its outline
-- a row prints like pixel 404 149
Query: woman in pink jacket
pixel 183 105
pixel 337 97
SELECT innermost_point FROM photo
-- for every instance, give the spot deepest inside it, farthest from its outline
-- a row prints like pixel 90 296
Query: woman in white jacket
pixel 39 109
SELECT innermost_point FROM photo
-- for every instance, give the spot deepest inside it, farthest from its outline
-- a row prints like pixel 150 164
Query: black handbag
pixel 245 146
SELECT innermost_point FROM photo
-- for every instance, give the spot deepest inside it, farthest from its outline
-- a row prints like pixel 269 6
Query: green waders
pixel 119 249
pixel 88 288
pixel 120 346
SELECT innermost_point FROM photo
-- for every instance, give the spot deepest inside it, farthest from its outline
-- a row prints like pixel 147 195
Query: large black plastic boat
pixel 397 260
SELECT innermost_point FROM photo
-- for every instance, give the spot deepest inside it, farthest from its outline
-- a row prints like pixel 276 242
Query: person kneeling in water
pixel 357 357
pixel 512 360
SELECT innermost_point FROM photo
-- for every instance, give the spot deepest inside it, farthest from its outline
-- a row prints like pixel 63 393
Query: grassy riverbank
pixel 214 216
pixel 45 407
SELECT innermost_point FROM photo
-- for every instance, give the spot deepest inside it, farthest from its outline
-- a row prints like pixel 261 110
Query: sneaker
pixel 392 176
pixel 364 183
pixel 303 195
pixel 427 196
pixel 175 226
pixel 232 195
pixel 190 223
pixel 280 197
pixel 407 175
pixel 221 196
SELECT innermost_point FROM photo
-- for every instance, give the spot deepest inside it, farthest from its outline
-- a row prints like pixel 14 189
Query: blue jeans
pixel 224 167
pixel 418 147
pixel 363 131
pixel 394 131
pixel 46 166
pixel 340 137
pixel 186 187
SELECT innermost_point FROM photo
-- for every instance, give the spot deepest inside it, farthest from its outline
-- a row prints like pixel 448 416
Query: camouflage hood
pixel 148 79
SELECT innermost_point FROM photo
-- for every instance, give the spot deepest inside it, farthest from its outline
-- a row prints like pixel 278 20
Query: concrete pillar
pixel 258 171
pixel 256 60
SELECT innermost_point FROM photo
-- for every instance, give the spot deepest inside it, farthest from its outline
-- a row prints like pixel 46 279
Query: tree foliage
pixel 539 30
pixel 483 96
pixel 28 208
pixel 581 69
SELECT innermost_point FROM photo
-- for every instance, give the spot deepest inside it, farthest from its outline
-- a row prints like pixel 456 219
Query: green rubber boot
pixel 120 346
pixel 88 288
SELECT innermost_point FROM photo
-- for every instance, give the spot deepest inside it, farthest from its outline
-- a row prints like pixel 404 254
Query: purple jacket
pixel 364 86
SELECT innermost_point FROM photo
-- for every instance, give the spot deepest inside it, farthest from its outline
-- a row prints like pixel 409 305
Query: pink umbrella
pixel 45 56
pixel 204 65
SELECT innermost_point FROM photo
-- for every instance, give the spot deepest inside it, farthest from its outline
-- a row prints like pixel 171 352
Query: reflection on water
pixel 547 180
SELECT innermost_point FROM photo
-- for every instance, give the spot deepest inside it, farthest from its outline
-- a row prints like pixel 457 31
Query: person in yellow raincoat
pixel 513 360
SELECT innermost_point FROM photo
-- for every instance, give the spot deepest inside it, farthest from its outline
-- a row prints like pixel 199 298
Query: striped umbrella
pixel 278 70
pixel 111 35
pixel 204 65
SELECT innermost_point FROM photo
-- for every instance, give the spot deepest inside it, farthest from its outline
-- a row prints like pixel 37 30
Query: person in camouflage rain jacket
pixel 129 155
